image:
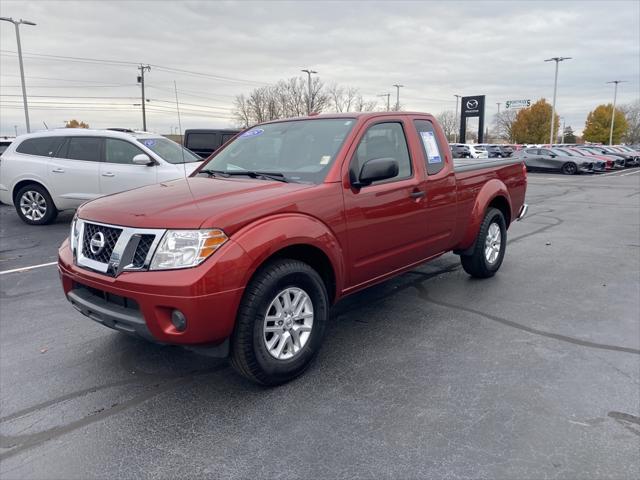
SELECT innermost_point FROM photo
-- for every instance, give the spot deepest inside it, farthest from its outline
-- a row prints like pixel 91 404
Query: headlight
pixel 186 248
pixel 74 233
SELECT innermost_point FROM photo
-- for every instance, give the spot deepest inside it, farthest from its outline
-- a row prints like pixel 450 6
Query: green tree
pixel 532 124
pixel 569 135
pixel 598 125
pixel 75 124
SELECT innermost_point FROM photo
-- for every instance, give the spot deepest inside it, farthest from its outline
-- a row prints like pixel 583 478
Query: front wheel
pixel 34 205
pixel 489 248
pixel 569 168
pixel 281 322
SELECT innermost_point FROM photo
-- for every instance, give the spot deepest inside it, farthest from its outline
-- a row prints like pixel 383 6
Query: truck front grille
pixel 143 250
pixel 108 240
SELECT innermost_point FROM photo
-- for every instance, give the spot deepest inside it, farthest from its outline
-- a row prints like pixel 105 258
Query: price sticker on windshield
pixel 431 147
pixel 253 133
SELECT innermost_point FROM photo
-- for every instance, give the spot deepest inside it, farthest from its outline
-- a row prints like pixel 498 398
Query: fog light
pixel 179 320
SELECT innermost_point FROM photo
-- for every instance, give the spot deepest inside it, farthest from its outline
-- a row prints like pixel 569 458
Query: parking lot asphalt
pixel 534 373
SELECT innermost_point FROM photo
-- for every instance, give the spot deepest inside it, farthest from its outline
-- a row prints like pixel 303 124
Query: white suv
pixel 477 151
pixel 45 172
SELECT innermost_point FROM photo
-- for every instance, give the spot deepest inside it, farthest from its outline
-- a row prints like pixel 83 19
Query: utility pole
pixel 457 122
pixel 17 23
pixel 555 90
pixel 308 71
pixel 15 128
pixel 398 87
pixel 142 69
pixel 388 95
pixel 613 110
pixel 498 103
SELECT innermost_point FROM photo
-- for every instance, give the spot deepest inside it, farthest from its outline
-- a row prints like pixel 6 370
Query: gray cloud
pixel 436 49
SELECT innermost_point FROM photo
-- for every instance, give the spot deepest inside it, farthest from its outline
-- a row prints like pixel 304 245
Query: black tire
pixel 36 192
pixel 476 264
pixel 249 354
pixel 569 168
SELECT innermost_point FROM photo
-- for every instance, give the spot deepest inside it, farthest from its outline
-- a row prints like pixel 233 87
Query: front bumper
pixel 141 303
pixel 523 211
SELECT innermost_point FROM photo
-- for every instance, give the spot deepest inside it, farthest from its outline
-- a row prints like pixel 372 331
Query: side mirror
pixel 553 155
pixel 375 170
pixel 143 159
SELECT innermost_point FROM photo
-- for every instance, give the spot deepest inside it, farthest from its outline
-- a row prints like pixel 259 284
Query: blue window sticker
pixel 253 133
pixel 149 142
pixel 431 147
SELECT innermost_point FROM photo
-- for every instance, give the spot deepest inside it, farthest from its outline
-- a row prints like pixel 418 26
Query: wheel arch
pixel 28 181
pixel 493 194
pixel 295 236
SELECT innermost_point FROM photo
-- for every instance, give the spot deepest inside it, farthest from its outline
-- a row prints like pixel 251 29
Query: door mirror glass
pixel 143 159
pixel 376 170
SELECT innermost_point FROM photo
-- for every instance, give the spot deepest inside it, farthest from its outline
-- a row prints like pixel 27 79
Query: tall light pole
pixel 16 24
pixel 555 90
pixel 388 95
pixel 498 103
pixel 309 72
pixel 457 123
pixel 613 110
pixel 398 87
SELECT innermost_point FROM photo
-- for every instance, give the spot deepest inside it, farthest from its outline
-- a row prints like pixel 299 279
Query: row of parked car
pixel 569 159
pixel 481 150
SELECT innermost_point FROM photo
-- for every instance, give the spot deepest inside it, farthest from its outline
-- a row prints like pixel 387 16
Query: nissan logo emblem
pixel 472 104
pixel 96 244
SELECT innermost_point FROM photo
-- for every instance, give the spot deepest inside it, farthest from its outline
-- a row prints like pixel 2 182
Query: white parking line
pixel 625 174
pixel 26 269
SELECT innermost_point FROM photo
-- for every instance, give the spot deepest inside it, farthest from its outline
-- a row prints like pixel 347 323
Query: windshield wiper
pixel 214 173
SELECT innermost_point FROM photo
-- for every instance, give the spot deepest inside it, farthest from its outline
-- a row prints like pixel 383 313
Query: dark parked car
pixel 204 142
pixel 547 159
pixel 494 151
pixel 4 143
pixel 620 159
pixel 507 150
pixel 459 150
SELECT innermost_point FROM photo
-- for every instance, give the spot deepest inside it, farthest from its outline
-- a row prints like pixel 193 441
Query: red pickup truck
pixel 245 257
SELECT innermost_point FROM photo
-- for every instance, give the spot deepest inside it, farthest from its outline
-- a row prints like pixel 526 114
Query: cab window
pixel 431 146
pixel 383 140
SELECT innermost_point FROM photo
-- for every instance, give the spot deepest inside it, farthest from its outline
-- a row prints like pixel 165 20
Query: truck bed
pixel 469 164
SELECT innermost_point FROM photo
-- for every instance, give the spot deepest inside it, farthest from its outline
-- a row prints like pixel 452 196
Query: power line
pixel 126 63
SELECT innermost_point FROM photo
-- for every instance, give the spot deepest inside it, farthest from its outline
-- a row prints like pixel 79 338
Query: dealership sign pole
pixel 472 107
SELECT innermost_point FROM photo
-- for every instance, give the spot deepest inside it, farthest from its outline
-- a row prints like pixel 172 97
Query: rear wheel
pixel 569 168
pixel 34 205
pixel 281 322
pixel 489 248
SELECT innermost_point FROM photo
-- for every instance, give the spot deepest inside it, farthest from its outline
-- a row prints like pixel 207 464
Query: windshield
pixel 300 150
pixel 169 151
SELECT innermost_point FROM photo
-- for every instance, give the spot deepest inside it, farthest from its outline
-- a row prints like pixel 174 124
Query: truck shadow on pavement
pixel 150 370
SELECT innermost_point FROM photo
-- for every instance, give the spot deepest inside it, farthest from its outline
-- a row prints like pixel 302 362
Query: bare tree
pixel 504 124
pixel 447 120
pixel 632 112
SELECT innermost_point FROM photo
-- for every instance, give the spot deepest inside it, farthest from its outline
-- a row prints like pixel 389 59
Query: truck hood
pixel 195 202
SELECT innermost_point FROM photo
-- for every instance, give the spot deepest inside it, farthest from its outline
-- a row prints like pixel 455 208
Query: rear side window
pixel 431 147
pixel 202 141
pixel 384 140
pixel 42 146
pixel 84 148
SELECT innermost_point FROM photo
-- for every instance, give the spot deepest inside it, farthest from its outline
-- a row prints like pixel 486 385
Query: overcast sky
pixel 435 48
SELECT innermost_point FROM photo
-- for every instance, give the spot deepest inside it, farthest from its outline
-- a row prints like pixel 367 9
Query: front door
pixel 385 220
pixel 118 172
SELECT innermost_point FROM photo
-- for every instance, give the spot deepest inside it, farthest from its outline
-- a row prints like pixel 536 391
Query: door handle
pixel 58 170
pixel 417 194
pixel 108 174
